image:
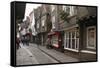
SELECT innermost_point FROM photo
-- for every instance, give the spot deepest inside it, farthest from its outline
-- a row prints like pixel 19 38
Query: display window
pixel 91 37
pixel 71 39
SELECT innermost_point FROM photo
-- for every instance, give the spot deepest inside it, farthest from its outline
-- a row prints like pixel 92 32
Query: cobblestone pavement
pixel 61 57
pixel 34 54
pixel 27 55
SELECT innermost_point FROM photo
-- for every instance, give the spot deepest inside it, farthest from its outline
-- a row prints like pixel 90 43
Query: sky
pixel 29 8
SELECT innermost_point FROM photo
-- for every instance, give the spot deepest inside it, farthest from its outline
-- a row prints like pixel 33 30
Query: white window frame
pixel 71 10
pixel 75 40
pixel 94 38
pixel 66 46
pixel 71 40
pixel 65 40
pixel 64 8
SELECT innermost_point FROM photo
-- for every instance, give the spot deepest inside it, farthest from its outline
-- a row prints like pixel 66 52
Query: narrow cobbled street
pixel 34 54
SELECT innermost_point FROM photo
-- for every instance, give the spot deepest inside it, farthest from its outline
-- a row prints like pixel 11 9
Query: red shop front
pixel 55 38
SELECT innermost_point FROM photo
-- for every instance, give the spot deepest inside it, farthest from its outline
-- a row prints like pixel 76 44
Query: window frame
pixel 71 9
pixel 67 38
pixel 94 38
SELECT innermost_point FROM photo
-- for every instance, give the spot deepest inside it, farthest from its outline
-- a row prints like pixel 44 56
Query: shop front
pixel 55 39
pixel 88 30
pixel 91 37
pixel 71 39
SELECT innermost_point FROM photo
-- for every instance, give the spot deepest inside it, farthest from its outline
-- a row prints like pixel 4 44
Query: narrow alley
pixel 34 54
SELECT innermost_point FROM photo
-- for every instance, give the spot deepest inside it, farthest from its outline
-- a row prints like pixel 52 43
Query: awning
pixel 53 33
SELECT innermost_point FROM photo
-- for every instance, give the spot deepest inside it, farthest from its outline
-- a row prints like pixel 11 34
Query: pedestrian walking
pixel 18 41
pixel 23 34
pixel 27 39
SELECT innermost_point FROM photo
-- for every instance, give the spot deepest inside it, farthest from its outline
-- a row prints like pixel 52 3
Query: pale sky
pixel 29 8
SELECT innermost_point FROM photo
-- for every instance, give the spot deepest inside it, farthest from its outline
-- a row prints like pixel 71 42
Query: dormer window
pixel 64 8
pixel 71 10
pixel 68 9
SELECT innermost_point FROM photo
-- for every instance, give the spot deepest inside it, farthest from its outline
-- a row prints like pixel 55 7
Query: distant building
pixel 31 16
pixel 54 33
pixel 37 14
pixel 45 22
pixel 30 29
pixel 42 22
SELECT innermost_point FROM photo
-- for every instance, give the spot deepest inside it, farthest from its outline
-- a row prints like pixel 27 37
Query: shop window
pixel 91 37
pixel 72 39
pixel 77 38
pixel 55 40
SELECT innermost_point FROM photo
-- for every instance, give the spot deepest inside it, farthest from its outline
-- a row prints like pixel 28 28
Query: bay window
pixel 71 39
